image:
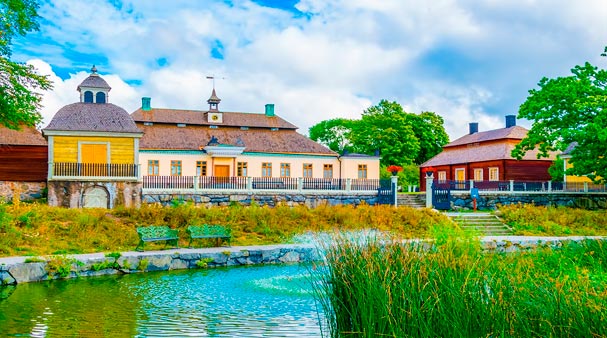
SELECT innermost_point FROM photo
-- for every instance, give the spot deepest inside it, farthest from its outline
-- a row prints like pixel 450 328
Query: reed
pixel 528 219
pixel 452 288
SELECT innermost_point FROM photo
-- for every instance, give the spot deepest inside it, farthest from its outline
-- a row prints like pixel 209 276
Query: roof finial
pixel 94 70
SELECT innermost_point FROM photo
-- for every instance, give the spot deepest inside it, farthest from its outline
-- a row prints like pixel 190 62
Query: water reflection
pixel 268 301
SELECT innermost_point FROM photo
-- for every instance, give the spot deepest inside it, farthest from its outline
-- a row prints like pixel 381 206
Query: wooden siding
pixel 527 170
pixel 122 149
pixel 23 163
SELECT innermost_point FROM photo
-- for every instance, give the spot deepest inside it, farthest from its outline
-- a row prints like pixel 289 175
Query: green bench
pixel 156 233
pixel 219 232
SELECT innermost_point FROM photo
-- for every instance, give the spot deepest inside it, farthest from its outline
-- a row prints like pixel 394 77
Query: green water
pixel 267 301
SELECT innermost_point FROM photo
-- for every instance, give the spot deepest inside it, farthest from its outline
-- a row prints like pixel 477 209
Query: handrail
pixel 75 169
pixel 521 186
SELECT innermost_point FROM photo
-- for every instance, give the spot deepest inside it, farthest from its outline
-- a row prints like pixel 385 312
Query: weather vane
pixel 212 77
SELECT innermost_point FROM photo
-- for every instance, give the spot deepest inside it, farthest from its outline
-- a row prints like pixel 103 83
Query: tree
pixel 385 127
pixel 566 110
pixel 334 133
pixel 402 138
pixel 19 101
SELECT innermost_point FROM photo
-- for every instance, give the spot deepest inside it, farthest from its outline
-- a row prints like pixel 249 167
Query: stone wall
pixel 78 194
pixel 28 191
pixel 489 201
pixel 310 199
pixel 15 270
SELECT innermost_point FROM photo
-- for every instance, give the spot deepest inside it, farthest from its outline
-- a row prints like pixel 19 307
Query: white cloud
pixel 466 60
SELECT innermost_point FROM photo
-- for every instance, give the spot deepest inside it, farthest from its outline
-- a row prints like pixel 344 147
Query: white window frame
pixel 494 173
pixel 478 174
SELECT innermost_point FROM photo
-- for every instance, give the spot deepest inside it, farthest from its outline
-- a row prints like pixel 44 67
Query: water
pixel 263 301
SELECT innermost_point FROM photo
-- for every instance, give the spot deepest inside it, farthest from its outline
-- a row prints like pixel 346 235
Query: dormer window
pixel 148 123
pixel 181 125
pixel 100 97
pixel 88 97
pixel 274 129
pixel 213 127
pixel 244 128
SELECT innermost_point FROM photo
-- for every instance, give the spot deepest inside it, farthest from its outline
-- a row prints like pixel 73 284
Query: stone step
pixel 411 200
pixel 484 223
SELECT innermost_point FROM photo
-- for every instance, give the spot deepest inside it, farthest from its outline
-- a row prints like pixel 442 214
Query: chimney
pixel 376 153
pixel 146 103
pixel 510 121
pixel 473 128
pixel 270 109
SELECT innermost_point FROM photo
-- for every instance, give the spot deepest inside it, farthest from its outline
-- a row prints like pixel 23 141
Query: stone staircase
pixel 484 223
pixel 411 200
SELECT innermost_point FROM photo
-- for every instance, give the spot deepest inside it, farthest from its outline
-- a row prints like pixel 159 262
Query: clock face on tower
pixel 215 117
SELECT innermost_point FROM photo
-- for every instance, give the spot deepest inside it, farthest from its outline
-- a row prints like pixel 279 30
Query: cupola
pixel 214 101
pixel 94 89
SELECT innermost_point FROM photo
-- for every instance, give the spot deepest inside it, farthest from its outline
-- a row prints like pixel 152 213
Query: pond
pixel 258 301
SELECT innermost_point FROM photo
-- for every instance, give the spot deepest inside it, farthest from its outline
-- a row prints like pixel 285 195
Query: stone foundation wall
pixel 310 199
pixel 590 201
pixel 73 194
pixel 28 191
pixel 16 270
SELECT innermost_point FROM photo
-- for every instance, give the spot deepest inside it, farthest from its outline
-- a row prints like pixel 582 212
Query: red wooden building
pixel 23 155
pixel 485 156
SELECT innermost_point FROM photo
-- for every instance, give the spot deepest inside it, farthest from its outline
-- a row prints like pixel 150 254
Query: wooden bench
pixel 156 233
pixel 209 231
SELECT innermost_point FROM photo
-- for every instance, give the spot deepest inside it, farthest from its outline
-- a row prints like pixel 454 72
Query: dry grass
pixel 34 229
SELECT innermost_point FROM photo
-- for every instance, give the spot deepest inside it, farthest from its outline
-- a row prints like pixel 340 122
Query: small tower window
pixel 100 97
pixel 88 97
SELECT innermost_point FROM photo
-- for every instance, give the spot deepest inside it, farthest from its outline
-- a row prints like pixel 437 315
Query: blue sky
pixel 468 61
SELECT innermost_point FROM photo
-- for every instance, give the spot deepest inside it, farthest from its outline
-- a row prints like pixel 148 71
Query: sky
pixel 466 60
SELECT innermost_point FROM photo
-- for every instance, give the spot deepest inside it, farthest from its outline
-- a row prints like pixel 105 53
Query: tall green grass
pixel 453 288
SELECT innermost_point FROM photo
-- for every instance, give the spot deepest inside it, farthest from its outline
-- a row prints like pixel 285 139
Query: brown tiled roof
pixel 516 133
pixel 487 152
pixel 165 136
pixel 94 81
pixel 25 136
pixel 103 117
pixel 199 117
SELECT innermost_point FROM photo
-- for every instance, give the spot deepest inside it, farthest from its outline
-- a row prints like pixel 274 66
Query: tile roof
pixel 192 137
pixel 94 81
pixel 25 136
pixel 102 117
pixel 199 117
pixel 516 133
pixel 569 148
pixel 484 152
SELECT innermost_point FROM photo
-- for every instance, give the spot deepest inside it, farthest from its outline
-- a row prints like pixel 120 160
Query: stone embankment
pixel 14 270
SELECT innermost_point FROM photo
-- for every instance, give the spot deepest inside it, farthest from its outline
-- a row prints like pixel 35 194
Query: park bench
pixel 156 233
pixel 218 232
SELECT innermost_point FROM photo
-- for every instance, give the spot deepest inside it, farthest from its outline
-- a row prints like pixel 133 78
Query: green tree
pixel 385 127
pixel 557 170
pixel 334 133
pixel 429 130
pixel 19 99
pixel 566 110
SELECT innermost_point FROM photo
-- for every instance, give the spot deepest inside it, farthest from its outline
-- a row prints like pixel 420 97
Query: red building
pixel 485 157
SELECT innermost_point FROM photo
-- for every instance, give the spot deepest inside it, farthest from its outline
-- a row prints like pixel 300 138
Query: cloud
pixel 466 60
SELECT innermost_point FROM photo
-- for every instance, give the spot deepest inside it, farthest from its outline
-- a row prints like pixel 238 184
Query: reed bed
pixel 453 288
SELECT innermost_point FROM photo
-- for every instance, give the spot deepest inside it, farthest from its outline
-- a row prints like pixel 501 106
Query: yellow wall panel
pixel 122 149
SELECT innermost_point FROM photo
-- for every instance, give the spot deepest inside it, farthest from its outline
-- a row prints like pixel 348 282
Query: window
pixel 266 169
pixel 100 97
pixel 201 168
pixel 153 168
pixel 88 97
pixel 175 168
pixel 242 169
pixel 362 171
pixel 442 176
pixel 494 174
pixel 478 174
pixel 285 170
pixel 460 174
pixel 307 170
pixel 327 171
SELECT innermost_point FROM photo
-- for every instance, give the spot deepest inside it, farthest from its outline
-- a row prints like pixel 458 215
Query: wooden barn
pixel 485 157
pixel 23 162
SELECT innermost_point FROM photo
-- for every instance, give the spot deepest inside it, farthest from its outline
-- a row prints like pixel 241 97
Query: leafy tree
pixel 402 138
pixel 557 170
pixel 385 127
pixel 566 110
pixel 334 133
pixel 19 101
